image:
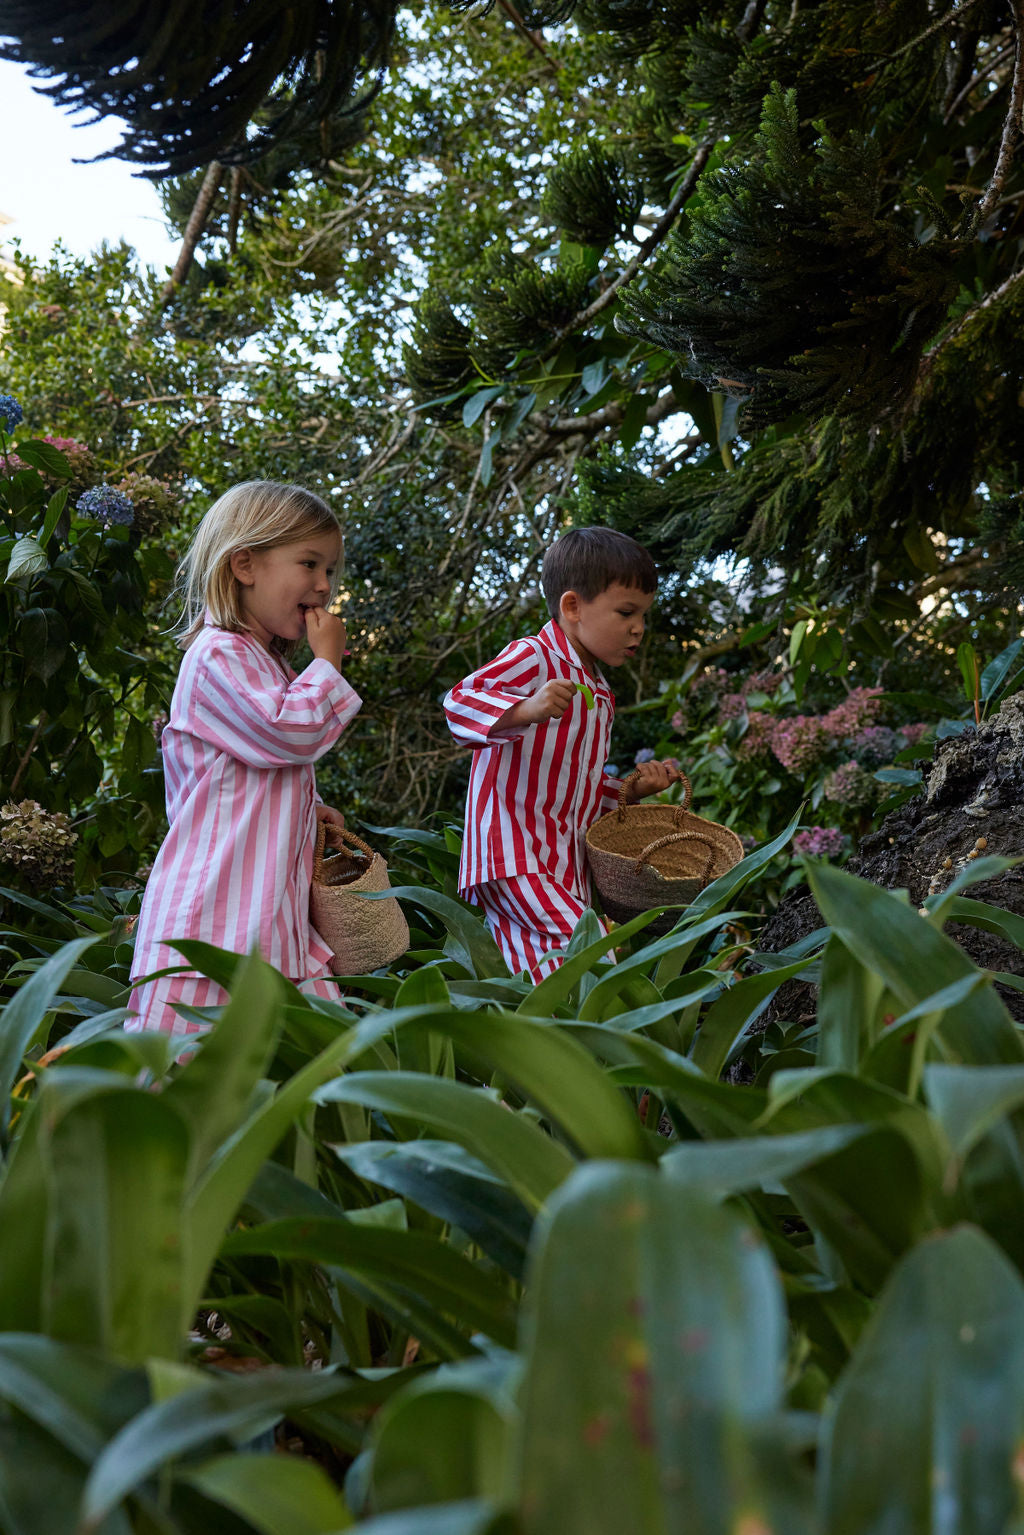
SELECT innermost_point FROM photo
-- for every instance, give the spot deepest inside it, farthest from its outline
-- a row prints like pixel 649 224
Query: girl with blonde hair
pixel 242 736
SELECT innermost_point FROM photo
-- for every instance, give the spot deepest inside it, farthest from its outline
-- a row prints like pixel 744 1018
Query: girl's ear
pixel 241 564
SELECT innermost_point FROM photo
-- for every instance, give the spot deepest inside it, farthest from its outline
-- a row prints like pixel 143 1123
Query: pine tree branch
pixel 936 26
pixel 682 194
pixel 531 37
pixel 1012 127
pixel 976 79
pixel 193 230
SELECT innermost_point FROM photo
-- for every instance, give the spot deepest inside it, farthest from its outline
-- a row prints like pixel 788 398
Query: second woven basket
pixel 657 855
pixel 364 935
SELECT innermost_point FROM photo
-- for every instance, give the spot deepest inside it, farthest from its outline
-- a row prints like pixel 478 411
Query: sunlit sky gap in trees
pixel 49 198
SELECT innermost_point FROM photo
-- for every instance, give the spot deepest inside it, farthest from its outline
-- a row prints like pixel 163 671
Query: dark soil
pixel 975 789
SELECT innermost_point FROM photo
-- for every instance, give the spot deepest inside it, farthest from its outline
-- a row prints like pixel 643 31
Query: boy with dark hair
pixel 539 719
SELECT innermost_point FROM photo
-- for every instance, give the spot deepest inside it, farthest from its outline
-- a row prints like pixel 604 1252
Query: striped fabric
pixel 235 866
pixel 533 792
pixel 529 916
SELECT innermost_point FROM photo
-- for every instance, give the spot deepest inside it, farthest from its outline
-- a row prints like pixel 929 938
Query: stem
pixel 26 758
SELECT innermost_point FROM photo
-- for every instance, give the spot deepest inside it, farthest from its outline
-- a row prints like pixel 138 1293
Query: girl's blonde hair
pixel 260 514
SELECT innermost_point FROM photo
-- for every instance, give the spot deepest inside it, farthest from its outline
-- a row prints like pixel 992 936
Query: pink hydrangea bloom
pixel 800 742
pixel 762 682
pixel 678 722
pixel 730 707
pixel 819 842
pixel 759 735
pixel 850 785
pixel 913 733
pixel 861 707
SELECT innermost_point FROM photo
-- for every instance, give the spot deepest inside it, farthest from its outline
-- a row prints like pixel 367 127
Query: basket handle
pixel 679 836
pixel 633 777
pixel 340 838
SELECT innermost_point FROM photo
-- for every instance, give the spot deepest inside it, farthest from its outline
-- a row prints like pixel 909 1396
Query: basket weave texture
pixel 657 855
pixel 364 935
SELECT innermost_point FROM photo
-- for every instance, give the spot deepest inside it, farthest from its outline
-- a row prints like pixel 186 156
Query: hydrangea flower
pixel 850 785
pixel 799 742
pixel 730 707
pixel 38 846
pixel 678 722
pixel 759 735
pixel 875 745
pixel 859 708
pixel 106 505
pixel 645 754
pixel 819 842
pixel 913 733
pixel 10 412
pixel 762 682
pixel 611 771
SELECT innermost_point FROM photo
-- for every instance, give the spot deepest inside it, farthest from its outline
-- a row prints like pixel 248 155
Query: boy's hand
pixel 652 778
pixel 326 635
pixel 548 703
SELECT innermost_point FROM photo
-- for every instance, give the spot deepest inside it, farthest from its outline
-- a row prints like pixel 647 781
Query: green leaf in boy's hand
pixel 588 696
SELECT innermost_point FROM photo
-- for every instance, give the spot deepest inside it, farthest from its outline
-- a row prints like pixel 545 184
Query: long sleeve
pixel 245 706
pixel 474 706
pixel 610 791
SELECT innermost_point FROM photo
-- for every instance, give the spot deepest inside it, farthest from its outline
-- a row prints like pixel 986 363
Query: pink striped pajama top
pixel 234 869
pixel 533 792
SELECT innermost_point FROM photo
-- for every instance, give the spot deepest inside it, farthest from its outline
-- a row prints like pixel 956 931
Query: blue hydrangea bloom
pixel 106 505
pixel 10 412
pixel 645 754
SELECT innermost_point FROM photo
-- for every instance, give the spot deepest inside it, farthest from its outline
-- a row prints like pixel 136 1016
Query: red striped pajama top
pixel 238 751
pixel 533 792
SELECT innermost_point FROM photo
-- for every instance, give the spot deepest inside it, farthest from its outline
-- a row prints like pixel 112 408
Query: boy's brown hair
pixel 589 560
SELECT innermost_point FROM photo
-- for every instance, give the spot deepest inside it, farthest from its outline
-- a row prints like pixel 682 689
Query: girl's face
pixel 279 585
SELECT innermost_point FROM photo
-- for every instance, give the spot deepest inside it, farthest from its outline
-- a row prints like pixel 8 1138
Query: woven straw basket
pixel 657 855
pixel 363 934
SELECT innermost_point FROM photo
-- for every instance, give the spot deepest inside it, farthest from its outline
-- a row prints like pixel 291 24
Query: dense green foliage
pixel 555 1274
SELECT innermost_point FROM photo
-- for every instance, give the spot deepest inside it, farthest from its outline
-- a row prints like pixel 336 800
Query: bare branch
pixel 193 231
pixel 1012 126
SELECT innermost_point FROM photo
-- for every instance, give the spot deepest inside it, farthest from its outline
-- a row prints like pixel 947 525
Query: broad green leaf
pixel 847 1003
pixel 117 1164
pixel 411 1259
pixel 915 960
pixel 967 660
pixel 532 1164
pixel 969 1101
pixel 445 1437
pixel 470 939
pixel 728 1019
pixel 716 896
pixel 473 1516
pixel 997 670
pixel 28 558
pixel 215 1088
pixel 277 1494
pixel 45 457
pixel 924 1431
pixel 238 1406
pixel 754 1162
pixel 556 987
pixel 655 1343
pixel 478 403
pixel 23 1014
pixel 446 1180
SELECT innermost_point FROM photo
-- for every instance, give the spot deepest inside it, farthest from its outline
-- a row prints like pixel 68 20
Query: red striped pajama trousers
pixel 529 915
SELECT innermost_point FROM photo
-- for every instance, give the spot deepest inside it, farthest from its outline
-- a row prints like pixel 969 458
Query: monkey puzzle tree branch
pixel 197 221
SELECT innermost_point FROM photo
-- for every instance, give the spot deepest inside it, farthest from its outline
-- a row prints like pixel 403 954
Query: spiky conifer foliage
pixel 191 79
pixel 592 195
pixel 515 310
pixel 792 287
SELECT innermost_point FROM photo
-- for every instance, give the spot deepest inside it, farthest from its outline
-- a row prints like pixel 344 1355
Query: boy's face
pixel 607 628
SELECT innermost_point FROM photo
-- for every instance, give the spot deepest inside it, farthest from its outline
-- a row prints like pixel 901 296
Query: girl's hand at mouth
pixel 326 635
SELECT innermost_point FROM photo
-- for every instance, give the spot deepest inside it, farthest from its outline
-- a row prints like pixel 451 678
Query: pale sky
pixel 50 198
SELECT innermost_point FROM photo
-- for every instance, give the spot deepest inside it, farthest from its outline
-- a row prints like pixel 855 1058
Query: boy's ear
pixel 569 606
pixel 241 564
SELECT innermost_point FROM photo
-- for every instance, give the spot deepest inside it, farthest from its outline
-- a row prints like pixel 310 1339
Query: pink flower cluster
pixel 800 742
pixel 759 735
pixel 859 708
pixel 850 785
pixel 913 733
pixel 819 842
